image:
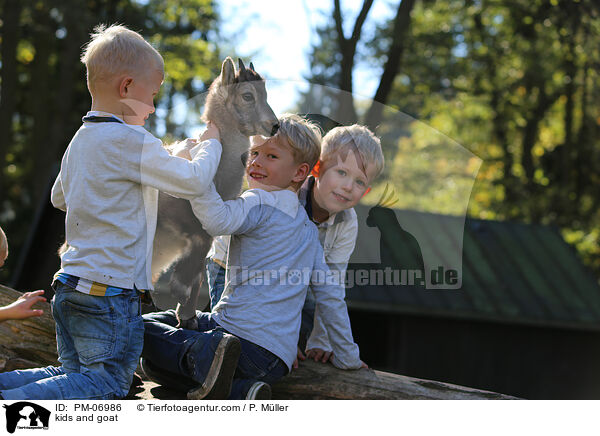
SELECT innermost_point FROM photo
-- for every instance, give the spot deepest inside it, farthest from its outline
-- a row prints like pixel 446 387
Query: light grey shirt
pixel 274 255
pixel 108 185
pixel 337 236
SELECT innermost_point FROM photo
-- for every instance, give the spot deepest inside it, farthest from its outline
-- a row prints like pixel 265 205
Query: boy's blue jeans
pixel 215 277
pixel 99 343
pixel 166 346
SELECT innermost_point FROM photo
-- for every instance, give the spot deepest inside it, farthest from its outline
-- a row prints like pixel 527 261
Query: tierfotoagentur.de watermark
pixel 386 276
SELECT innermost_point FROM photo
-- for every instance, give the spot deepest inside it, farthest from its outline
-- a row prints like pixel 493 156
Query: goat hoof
pixel 188 324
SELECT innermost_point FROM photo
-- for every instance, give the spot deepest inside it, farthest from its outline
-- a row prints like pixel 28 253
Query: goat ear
pixel 252 67
pixel 241 65
pixel 228 72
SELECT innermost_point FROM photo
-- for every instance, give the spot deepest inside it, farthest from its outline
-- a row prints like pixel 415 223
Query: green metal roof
pixel 511 272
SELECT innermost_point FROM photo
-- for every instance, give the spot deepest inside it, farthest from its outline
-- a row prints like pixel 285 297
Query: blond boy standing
pixel 108 185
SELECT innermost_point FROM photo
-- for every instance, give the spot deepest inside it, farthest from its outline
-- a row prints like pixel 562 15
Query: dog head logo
pixel 26 415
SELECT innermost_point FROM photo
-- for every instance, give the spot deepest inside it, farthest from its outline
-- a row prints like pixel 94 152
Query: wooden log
pixel 318 381
pixel 26 343
pixel 32 343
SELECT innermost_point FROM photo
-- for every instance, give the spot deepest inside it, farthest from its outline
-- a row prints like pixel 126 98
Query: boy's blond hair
pixel 303 136
pixel 356 138
pixel 117 50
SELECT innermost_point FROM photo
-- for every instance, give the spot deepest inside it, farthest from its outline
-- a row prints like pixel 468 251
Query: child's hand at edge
pixel 21 307
pixel 211 132
pixel 319 355
pixel 300 355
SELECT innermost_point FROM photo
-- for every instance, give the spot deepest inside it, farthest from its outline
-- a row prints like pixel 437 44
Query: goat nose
pixel 244 158
pixel 274 129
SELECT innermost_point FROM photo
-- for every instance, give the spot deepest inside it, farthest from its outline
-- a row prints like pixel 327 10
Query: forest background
pixel 514 82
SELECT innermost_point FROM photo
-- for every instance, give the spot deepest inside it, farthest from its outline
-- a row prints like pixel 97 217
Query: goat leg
pixel 186 310
pixel 186 313
pixel 187 277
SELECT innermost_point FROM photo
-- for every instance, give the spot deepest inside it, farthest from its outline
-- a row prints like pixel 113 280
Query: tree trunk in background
pixel 346 113
pixel 530 135
pixel 392 65
pixel 76 23
pixel 39 100
pixel 10 38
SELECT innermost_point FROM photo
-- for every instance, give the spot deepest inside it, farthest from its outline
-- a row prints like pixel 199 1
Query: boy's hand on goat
pixel 182 149
pixel 211 132
pixel 319 355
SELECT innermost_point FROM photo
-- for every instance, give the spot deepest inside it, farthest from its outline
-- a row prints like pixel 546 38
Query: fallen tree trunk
pixel 27 343
pixel 318 381
pixel 31 343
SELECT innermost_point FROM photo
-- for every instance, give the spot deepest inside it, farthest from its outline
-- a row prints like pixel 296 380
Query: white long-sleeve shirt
pixel 338 237
pixel 108 185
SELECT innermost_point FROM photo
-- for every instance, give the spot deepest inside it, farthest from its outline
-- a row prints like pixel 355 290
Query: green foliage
pixel 51 94
pixel 517 84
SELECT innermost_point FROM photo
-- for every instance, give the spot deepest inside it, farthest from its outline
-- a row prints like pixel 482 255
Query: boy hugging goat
pixel 250 338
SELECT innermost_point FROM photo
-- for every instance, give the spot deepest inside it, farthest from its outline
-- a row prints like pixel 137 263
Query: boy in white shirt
pixel 108 185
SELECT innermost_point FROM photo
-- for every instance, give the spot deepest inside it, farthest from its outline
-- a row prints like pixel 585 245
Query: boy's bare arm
pixel 21 307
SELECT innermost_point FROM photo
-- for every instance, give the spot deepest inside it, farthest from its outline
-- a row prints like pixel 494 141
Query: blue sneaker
pixel 216 385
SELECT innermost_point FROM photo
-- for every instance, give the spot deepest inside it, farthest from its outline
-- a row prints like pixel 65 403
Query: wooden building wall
pixel 524 361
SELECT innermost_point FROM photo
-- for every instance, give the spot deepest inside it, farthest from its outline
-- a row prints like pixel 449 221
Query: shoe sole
pixel 164 377
pixel 262 392
pixel 217 384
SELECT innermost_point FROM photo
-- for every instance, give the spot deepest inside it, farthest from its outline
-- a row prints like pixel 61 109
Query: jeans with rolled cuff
pixel 167 346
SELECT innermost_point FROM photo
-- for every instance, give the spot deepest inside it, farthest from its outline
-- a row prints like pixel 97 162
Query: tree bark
pixel 392 65
pixel 27 343
pixel 346 113
pixel 318 381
